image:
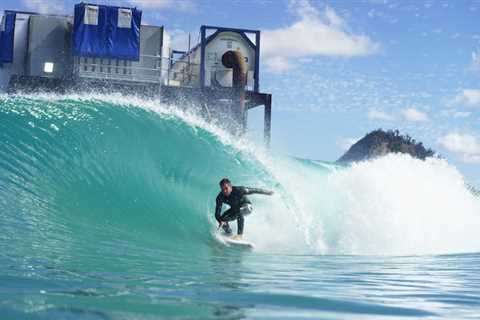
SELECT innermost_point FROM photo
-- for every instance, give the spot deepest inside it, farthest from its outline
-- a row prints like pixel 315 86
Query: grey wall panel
pixel 150 52
pixel 49 41
pixel 4 78
pixel 20 43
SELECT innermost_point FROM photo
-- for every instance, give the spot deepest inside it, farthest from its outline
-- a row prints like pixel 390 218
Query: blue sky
pixel 339 69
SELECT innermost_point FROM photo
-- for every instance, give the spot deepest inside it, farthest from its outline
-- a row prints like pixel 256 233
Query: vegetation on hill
pixel 378 143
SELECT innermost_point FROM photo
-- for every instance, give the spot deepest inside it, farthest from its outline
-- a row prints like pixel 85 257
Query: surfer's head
pixel 225 186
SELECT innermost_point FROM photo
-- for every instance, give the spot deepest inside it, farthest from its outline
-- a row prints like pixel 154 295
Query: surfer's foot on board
pixel 226 228
pixel 236 237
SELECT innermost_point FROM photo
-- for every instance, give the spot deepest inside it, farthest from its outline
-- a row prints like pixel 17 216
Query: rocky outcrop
pixel 378 143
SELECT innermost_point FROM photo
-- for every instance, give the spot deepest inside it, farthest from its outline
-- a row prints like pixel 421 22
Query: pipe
pixel 236 61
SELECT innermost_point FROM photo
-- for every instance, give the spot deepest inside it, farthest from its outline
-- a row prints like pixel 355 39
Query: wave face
pixel 87 177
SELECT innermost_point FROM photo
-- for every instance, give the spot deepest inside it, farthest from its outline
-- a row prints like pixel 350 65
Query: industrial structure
pixel 107 47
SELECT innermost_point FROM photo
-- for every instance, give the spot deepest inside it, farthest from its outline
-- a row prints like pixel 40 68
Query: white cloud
pixel 183 5
pixel 177 39
pixel 56 7
pixel 375 114
pixel 414 115
pixel 377 2
pixel 42 6
pixel 461 114
pixel 455 114
pixel 465 145
pixel 278 64
pixel 315 33
pixel 470 97
pixel 346 143
pixel 455 35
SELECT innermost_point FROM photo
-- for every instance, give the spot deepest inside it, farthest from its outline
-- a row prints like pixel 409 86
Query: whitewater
pixel 106 212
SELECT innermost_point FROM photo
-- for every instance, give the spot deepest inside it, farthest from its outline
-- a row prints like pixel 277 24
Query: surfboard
pixel 240 243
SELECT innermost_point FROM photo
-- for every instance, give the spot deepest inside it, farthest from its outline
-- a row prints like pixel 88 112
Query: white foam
pixel 392 205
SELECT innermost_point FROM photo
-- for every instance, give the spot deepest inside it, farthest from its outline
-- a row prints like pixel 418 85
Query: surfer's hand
pixel 220 224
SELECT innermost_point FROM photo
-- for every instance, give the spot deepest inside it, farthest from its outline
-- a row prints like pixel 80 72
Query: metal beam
pixel 267 125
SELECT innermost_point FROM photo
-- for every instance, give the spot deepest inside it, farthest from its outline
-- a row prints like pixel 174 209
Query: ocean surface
pixel 106 212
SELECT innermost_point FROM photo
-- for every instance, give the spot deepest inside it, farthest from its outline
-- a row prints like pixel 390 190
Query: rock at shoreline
pixel 379 143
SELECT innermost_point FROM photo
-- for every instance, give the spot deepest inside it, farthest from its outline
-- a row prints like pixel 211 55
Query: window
pixel 127 67
pixel 124 18
pixel 91 15
pixel 48 67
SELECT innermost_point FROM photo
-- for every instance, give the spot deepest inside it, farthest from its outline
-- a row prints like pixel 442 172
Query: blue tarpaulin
pixel 6 38
pixel 106 32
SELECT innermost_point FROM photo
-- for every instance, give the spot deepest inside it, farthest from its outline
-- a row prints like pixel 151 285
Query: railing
pixel 148 69
pixel 182 73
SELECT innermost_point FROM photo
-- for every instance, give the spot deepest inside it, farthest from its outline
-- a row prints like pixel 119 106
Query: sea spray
pixel 393 205
pixel 111 167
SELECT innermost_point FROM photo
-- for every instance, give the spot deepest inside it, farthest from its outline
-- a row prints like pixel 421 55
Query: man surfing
pixel 240 205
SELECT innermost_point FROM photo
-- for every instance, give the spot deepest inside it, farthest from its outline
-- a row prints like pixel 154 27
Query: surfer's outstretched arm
pixel 249 190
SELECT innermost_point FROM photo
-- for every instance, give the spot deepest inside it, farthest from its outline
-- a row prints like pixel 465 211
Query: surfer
pixel 240 205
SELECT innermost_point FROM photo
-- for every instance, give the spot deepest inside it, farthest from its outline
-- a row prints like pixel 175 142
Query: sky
pixel 340 69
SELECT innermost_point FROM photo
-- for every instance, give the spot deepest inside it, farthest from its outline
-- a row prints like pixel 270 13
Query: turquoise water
pixel 106 210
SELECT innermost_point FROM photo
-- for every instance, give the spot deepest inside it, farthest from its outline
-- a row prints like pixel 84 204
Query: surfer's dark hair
pixel 224 181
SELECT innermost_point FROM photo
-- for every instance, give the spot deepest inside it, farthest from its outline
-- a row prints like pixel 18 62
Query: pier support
pixel 236 61
pixel 209 99
pixel 267 122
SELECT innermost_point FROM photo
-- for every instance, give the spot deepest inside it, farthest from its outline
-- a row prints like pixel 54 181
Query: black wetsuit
pixel 238 202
